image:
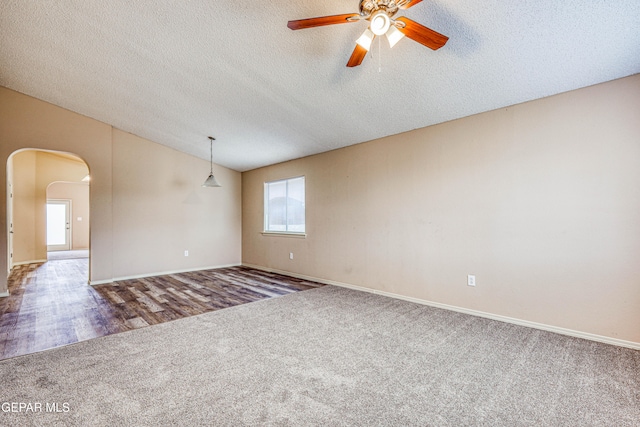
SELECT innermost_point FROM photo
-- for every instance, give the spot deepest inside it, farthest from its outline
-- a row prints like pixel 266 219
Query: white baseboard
pixel 535 325
pixel 4 294
pixel 35 261
pixel 162 273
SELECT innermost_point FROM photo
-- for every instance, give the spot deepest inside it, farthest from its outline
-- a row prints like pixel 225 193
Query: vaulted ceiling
pixel 177 71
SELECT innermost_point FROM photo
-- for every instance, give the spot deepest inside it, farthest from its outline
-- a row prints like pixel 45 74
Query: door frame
pixel 10 219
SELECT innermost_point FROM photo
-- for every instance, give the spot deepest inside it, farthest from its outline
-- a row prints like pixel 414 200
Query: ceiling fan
pixel 380 14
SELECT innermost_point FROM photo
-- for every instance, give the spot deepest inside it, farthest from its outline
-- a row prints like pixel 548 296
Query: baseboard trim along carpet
pixel 161 273
pixel 535 325
pixel 4 294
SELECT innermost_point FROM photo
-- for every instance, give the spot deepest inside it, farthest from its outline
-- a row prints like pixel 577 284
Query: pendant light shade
pixel 211 180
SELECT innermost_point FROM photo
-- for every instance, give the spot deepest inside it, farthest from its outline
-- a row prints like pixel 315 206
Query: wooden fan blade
pixel 410 4
pixel 422 34
pixel 323 20
pixel 357 56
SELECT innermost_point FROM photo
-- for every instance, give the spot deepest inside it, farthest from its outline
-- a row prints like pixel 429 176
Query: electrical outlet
pixel 290 255
pixel 186 253
pixel 471 280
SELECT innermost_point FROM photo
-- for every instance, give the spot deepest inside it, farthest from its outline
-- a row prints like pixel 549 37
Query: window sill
pixel 284 234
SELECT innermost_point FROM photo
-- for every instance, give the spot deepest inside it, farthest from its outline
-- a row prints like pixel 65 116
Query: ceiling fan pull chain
pixel 379 56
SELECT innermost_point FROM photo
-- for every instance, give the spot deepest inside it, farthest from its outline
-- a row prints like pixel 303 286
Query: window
pixel 284 206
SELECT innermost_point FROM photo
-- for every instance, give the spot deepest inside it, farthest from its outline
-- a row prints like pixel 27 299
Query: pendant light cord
pixel 211 153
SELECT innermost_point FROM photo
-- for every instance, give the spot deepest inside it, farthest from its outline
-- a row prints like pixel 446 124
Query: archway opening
pixel 41 185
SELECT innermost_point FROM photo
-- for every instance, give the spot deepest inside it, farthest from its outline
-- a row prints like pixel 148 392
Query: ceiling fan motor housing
pixel 369 7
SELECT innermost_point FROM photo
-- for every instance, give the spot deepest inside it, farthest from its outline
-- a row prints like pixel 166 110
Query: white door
pixel 58 225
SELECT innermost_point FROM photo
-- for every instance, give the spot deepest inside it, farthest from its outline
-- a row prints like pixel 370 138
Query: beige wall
pixel 78 193
pixel 541 201
pixel 24 208
pixel 26 122
pixel 161 210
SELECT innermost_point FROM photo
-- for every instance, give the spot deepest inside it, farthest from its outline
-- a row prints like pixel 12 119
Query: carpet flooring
pixel 326 356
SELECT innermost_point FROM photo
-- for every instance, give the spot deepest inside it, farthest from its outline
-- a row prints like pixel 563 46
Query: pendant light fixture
pixel 211 180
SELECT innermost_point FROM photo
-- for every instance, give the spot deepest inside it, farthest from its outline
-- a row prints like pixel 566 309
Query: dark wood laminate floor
pixel 51 305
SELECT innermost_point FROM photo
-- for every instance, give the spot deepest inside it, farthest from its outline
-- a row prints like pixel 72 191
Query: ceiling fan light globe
pixel 380 23
pixel 365 39
pixel 394 36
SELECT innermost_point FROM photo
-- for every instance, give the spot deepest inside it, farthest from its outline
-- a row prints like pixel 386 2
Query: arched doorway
pixel 35 177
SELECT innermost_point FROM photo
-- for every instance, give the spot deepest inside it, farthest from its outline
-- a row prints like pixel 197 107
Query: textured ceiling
pixel 178 71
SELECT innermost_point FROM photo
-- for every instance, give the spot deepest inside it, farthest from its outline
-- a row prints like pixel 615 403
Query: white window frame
pixel 287 233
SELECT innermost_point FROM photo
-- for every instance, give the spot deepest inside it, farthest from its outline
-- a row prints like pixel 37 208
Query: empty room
pixel 374 212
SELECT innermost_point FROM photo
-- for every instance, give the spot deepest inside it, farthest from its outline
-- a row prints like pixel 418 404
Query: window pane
pixel 285 206
pixel 295 205
pixel 277 206
pixel 56 224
